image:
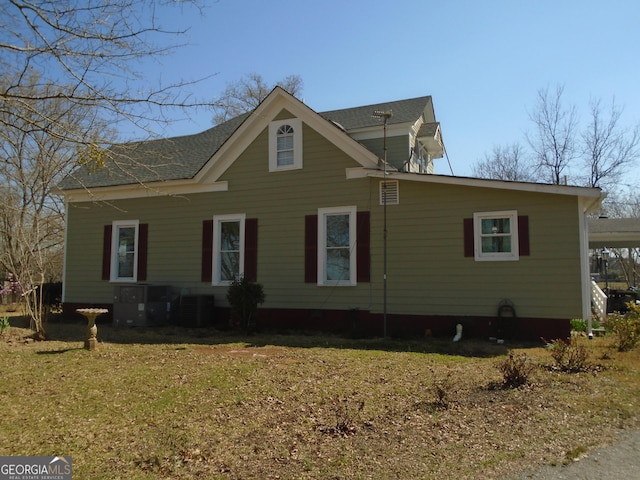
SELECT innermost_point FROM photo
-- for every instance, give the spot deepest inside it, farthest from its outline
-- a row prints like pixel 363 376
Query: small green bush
pixel 4 324
pixel 569 355
pixel 626 327
pixel 516 370
pixel 244 296
pixel 578 325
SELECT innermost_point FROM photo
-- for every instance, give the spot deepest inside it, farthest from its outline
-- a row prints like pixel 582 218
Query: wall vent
pixel 391 190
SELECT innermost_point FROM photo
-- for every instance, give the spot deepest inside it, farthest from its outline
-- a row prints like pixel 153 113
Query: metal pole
pixel 384 190
pixel 385 116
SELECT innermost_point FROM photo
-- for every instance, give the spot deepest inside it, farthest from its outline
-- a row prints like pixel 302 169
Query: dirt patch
pixel 241 352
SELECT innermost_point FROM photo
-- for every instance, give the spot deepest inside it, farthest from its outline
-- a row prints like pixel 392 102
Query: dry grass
pixel 172 403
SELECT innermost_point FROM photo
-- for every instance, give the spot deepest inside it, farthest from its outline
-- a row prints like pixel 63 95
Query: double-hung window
pixel 124 251
pixel 285 145
pixel 336 246
pixel 496 235
pixel 228 248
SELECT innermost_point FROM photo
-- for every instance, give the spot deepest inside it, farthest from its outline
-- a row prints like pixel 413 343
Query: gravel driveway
pixel 618 461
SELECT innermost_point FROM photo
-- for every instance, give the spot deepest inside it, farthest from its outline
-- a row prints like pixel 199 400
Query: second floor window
pixel 285 145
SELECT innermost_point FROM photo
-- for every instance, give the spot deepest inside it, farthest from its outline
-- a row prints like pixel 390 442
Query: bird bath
pixel 91 343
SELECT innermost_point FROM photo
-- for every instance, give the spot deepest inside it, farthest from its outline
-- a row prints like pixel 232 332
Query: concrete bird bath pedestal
pixel 91 343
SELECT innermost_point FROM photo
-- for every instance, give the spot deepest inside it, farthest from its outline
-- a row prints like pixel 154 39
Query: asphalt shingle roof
pixel 362 117
pixel 182 157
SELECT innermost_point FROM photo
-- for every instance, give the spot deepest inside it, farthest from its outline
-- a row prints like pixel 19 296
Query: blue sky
pixel 481 61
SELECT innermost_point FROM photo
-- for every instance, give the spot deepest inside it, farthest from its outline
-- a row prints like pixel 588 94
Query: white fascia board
pixel 595 194
pixel 147 190
pixel 260 119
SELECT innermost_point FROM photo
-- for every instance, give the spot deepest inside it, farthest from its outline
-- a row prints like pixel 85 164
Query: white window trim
pixel 477 234
pixel 296 124
pixel 322 245
pixel 218 220
pixel 115 227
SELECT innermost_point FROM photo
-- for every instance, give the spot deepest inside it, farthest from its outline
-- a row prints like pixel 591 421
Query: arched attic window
pixel 285 145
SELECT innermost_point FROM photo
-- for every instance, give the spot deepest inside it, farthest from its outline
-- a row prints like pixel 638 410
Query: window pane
pixel 285 142
pixel 229 266
pixel 338 231
pixel 496 244
pixel 496 225
pixel 126 251
pixel 337 264
pixel 230 236
pixel 285 158
pixel 285 129
pixel 337 251
pixel 229 251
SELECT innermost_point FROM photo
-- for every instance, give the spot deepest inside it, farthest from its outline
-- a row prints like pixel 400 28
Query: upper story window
pixel 285 145
pixel 124 251
pixel 496 235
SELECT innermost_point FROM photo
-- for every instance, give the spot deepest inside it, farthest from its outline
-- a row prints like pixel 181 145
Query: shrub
pixel 347 411
pixel 569 355
pixel 441 388
pixel 578 325
pixel 516 370
pixel 626 327
pixel 244 296
pixel 4 324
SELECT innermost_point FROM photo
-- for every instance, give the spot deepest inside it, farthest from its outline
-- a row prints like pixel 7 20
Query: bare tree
pixel 507 162
pixel 554 139
pixel 607 147
pixel 90 49
pixel 32 161
pixel 246 94
pixel 68 68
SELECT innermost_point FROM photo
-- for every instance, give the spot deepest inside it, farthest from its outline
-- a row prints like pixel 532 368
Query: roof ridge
pixel 372 105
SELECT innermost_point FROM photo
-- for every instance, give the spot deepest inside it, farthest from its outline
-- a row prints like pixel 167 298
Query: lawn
pixel 174 403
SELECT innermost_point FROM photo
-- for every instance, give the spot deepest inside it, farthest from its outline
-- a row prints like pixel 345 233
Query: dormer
pixel 414 138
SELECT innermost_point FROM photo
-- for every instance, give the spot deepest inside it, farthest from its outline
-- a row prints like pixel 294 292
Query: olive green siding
pixel 429 274
pixel 427 271
pixel 279 201
pixel 397 149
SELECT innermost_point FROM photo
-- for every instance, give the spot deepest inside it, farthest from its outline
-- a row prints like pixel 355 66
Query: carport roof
pixel 614 232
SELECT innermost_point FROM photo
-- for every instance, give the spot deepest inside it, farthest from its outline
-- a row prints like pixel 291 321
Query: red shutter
pixel 311 249
pixel 523 235
pixel 251 249
pixel 143 236
pixel 363 254
pixel 468 237
pixel 206 274
pixel 106 252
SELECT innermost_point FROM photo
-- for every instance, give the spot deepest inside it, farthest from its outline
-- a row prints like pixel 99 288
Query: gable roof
pixel 154 160
pixel 183 157
pixel 195 163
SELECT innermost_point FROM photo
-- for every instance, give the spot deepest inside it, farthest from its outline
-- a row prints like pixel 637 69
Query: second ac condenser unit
pixel 141 305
